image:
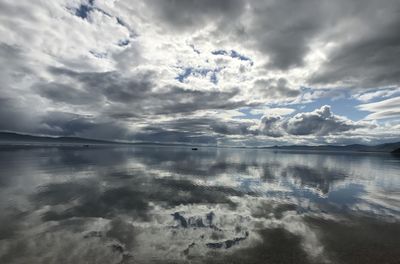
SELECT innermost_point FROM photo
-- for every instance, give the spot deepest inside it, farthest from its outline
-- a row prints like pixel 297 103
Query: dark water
pixel 175 205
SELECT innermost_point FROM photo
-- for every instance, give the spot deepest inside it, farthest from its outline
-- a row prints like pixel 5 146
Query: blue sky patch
pixel 123 42
pixel 341 104
pixel 341 101
pixel 194 49
pixel 247 113
pixel 233 54
pixel 220 52
pixel 200 71
pixel 100 55
pixel 84 9
pixel 343 107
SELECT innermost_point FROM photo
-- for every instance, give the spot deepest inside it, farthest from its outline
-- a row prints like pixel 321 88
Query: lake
pixel 213 205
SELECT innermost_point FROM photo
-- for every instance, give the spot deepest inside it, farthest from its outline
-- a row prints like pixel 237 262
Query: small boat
pixel 194 148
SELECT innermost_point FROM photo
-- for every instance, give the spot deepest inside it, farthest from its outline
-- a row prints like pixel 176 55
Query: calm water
pixel 175 205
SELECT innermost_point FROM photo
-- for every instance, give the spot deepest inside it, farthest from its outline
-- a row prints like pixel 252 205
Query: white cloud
pixel 282 111
pixel 377 94
pixel 388 108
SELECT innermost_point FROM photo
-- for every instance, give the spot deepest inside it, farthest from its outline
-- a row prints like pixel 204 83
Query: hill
pixel 396 151
pixel 9 137
pixel 387 147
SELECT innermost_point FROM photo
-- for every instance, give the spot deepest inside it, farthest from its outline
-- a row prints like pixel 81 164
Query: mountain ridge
pixel 13 137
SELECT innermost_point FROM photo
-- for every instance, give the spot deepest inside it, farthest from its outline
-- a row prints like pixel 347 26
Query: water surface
pixel 175 205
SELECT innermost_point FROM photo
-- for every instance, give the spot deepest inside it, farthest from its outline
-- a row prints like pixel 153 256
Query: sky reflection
pixel 161 205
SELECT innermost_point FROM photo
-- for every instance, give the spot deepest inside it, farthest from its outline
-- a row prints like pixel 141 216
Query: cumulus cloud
pixel 320 122
pixel 271 126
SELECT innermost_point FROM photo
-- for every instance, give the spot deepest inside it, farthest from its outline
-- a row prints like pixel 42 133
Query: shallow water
pixel 175 205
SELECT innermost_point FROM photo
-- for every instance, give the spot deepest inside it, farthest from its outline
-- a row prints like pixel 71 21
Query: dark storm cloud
pixel 275 88
pixel 63 93
pixel 283 29
pixel 192 13
pixel 13 116
pixel 70 124
pixel 67 123
pixel 111 85
pixel 138 95
pixel 195 130
pixel 135 98
pixel 367 60
pixel 178 100
pixel 365 31
pixel 233 128
pixel 208 129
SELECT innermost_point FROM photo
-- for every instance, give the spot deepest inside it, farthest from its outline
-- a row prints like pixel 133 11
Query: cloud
pixel 284 41
pixel 281 111
pixel 14 116
pixel 234 128
pixel 62 93
pixel 140 94
pixel 275 88
pixel 271 126
pixel 320 122
pixel 388 108
pixel 70 124
pixel 186 14
pixel 376 94
pixel 368 58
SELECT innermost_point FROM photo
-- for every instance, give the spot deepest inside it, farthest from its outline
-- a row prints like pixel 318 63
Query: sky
pixel 227 72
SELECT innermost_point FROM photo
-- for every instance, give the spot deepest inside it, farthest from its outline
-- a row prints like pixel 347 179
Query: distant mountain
pixel 16 138
pixel 9 137
pixel 388 147
pixel 396 151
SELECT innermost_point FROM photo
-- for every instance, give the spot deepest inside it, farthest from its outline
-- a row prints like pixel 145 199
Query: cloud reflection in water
pixel 141 205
